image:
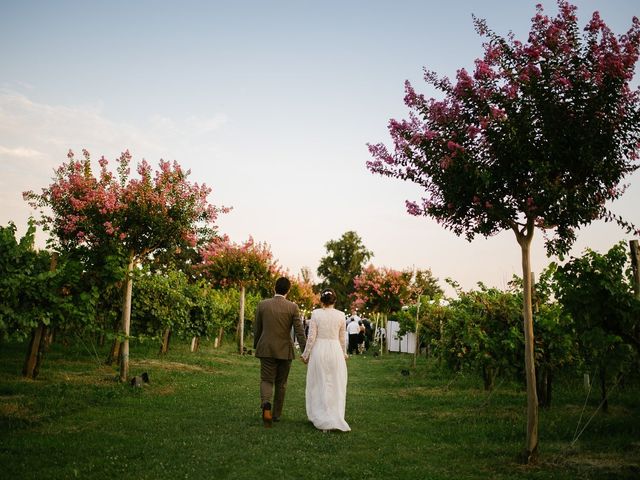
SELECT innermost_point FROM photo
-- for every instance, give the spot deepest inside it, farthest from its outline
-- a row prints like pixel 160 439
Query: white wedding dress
pixel 326 391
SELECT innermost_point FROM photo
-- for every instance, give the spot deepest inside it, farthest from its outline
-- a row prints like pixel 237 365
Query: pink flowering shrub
pixel 229 264
pixel 381 290
pixel 155 210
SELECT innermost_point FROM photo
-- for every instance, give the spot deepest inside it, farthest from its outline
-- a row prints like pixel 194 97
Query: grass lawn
pixel 200 418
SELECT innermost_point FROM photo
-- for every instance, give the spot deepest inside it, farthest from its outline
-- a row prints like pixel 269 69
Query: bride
pixel 325 354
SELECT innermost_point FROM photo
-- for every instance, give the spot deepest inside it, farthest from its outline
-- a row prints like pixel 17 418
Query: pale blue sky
pixel 270 103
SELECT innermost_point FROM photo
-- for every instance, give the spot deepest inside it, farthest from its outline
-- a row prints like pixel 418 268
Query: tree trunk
pixel 549 389
pixel 241 323
pixel 603 390
pixel 531 448
pixel 164 348
pixel 417 350
pixel 39 337
pixel 489 377
pixel 35 352
pixel 635 264
pixel 544 378
pixel 380 331
pixel 384 341
pixel 48 339
pixel 114 352
pixel 218 341
pixel 126 321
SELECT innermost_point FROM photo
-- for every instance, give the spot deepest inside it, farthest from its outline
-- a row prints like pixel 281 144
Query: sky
pixel 271 104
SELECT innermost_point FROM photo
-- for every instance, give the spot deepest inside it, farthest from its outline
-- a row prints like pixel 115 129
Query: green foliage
pixel 36 288
pixel 20 266
pixel 104 270
pixel 425 284
pixel 596 290
pixel 431 314
pixel 484 333
pixel 343 263
pixel 168 300
pixel 556 345
pixel 224 308
pixel 160 302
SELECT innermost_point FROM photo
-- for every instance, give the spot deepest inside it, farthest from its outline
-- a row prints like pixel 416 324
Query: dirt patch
pixel 173 366
pixel 618 465
pixel 164 390
pixel 14 407
pixel 96 376
pixel 436 392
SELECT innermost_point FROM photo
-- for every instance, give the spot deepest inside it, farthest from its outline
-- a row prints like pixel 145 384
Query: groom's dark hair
pixel 282 286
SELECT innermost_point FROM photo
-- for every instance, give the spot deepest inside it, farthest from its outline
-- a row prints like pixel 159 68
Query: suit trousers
pixel 274 371
pixel 354 340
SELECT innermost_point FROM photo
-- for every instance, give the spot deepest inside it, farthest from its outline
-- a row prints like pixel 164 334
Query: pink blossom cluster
pixel 144 213
pixel 228 263
pixel 379 289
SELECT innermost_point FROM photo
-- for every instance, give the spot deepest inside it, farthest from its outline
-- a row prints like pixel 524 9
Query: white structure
pixel 405 344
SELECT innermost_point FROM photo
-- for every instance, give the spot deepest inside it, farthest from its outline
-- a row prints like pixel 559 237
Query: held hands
pixel 304 360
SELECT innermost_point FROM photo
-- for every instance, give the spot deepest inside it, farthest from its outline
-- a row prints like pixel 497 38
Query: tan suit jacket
pixel 272 328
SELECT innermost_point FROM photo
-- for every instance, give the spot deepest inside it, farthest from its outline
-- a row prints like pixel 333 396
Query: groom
pixel 273 344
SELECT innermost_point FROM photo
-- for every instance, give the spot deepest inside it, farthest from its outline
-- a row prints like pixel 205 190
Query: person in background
pixel 368 333
pixel 353 329
pixel 361 337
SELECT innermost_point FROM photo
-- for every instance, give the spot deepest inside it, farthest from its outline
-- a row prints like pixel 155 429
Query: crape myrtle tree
pixel 382 292
pixel 539 135
pixel 248 265
pixel 136 217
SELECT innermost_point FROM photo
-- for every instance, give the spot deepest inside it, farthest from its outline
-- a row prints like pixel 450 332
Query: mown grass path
pixel 199 418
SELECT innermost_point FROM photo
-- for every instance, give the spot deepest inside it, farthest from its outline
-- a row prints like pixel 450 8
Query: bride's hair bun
pixel 328 296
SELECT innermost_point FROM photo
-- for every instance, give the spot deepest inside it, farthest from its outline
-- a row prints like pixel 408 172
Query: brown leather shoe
pixel 267 419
